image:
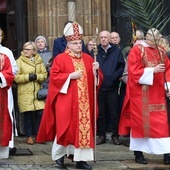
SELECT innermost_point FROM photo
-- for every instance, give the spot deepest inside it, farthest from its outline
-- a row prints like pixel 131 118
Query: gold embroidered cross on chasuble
pixel 83 101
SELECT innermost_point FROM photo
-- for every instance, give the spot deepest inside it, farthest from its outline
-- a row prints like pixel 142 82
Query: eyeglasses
pixel 76 43
pixel 90 44
pixel 26 49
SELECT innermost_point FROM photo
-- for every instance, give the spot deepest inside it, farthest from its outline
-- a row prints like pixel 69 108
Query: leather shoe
pixel 60 163
pixel 101 140
pixel 116 141
pixel 30 141
pixel 83 165
pixel 166 159
pixel 140 159
pixel 12 151
pixel 71 157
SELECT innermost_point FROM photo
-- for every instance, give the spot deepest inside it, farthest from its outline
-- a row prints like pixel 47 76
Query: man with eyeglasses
pixel 68 117
pixel 60 44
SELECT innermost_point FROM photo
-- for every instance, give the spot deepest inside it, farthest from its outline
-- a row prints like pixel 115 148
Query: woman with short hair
pixel 31 74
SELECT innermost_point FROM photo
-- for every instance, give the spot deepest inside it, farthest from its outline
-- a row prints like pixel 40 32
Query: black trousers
pixel 32 121
pixel 108 106
pixel 122 96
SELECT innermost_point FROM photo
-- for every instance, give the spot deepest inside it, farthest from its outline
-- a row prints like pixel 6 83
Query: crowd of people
pixel 131 85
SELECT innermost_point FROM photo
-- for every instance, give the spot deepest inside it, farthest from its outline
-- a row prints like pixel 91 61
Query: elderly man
pixel 112 65
pixel 68 117
pixel 60 44
pixel 144 114
pixel 115 39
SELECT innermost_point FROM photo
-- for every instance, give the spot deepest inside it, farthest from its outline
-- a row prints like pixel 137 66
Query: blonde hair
pixel 2 32
pixel 33 46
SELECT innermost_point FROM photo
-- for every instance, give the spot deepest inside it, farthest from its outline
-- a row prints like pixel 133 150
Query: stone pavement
pixel 108 156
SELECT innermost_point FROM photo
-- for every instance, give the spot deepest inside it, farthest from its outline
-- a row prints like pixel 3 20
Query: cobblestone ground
pixel 26 167
pixel 108 157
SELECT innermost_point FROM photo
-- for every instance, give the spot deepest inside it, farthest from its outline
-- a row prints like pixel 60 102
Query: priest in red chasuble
pixel 144 114
pixel 68 117
pixel 6 79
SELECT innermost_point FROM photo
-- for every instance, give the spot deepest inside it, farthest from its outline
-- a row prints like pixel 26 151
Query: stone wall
pixel 47 17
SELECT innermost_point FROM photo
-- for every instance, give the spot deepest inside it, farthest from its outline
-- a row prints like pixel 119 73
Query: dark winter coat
pixel 112 65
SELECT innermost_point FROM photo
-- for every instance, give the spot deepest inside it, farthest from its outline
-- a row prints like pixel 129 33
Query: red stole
pixel 5 121
pixel 83 121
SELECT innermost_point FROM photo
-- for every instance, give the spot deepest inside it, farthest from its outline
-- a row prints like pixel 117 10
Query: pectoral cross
pixel 79 67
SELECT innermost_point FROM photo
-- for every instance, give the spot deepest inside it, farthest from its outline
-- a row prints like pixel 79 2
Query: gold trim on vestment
pixel 83 102
pixel 157 107
pixel 145 110
pixel 146 107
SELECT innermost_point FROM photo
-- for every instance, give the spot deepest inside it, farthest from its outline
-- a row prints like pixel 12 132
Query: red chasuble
pixel 5 121
pixel 70 116
pixel 144 110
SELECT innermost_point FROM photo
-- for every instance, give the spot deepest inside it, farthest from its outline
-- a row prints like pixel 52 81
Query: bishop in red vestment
pixel 6 79
pixel 69 111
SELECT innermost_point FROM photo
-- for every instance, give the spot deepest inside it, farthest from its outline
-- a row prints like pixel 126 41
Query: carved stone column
pixel 71 10
pixel 91 14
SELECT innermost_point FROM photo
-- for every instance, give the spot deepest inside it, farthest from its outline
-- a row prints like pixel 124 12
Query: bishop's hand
pixel 76 75
pixel 159 68
pixel 95 66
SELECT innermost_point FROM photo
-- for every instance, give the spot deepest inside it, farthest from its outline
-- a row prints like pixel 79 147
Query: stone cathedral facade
pixel 47 17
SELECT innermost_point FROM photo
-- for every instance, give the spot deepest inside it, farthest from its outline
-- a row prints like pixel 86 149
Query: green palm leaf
pixel 147 13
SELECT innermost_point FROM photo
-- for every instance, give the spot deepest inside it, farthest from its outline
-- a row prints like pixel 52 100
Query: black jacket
pixel 112 65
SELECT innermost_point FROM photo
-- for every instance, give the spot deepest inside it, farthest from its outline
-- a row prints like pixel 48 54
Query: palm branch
pixel 147 13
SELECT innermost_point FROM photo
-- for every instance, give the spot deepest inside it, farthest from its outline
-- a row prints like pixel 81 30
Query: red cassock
pixel 5 121
pixel 70 116
pixel 144 110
